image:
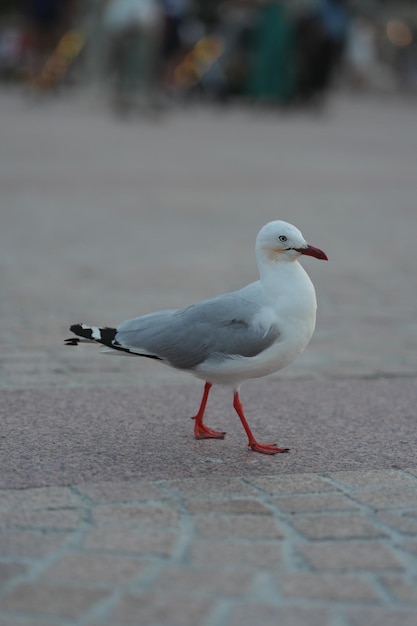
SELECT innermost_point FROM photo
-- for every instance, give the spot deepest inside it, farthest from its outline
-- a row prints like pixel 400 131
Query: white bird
pixel 225 340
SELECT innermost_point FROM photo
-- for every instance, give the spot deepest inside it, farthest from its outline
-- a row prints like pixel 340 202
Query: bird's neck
pixel 280 274
pixel 270 265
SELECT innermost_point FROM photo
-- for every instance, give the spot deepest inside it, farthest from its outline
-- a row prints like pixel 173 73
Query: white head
pixel 281 241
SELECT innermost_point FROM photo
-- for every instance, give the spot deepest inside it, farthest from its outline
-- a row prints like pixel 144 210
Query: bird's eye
pixel 282 238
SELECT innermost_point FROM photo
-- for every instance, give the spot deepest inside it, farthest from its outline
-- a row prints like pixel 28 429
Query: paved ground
pixel 110 512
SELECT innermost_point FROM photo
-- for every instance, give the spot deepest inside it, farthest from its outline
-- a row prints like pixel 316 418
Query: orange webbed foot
pixel 267 448
pixel 202 432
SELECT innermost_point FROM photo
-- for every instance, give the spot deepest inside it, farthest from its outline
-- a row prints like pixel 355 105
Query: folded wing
pixel 223 327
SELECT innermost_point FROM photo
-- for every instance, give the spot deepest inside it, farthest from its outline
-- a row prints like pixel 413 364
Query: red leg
pixel 200 430
pixel 265 448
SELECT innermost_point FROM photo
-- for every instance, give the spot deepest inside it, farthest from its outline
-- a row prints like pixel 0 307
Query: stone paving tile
pixel 266 554
pixel 346 526
pixel 42 599
pixel 331 587
pixel 400 588
pixel 105 569
pixel 351 555
pixel 134 541
pixel 211 487
pixel 243 526
pixel 135 515
pixel 270 615
pixel 30 544
pixel 248 506
pixel 10 570
pixel 319 502
pixel 410 546
pixel 157 608
pixel 375 479
pixel 292 483
pixel 381 617
pixel 388 498
pixel 405 522
pixel 39 498
pixel 22 621
pixel 121 491
pixel 205 580
pixel 64 519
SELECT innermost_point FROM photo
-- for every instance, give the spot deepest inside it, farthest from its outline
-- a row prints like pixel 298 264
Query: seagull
pixel 233 337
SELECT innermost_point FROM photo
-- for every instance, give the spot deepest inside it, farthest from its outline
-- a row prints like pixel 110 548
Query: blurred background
pixel 152 53
pixel 145 142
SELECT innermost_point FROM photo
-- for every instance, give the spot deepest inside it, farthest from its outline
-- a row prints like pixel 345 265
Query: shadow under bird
pixel 233 337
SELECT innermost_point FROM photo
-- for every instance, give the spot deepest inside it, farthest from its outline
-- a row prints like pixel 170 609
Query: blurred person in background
pixel 133 29
pixel 235 32
pixel 361 53
pixel 321 39
pixel 175 16
pixel 217 41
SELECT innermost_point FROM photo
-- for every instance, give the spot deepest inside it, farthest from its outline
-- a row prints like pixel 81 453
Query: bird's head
pixel 280 241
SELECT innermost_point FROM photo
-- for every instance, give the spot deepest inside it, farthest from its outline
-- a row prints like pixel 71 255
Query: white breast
pixel 291 305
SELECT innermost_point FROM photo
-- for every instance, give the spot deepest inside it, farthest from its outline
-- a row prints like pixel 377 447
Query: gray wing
pixel 220 327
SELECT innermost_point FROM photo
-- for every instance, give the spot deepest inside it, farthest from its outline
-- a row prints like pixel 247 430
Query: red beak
pixel 312 251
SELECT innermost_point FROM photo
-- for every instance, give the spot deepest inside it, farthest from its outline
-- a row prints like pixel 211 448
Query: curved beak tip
pixel 315 252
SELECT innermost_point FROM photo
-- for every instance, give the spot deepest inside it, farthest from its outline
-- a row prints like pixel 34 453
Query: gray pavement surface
pixel 124 433
pixel 110 511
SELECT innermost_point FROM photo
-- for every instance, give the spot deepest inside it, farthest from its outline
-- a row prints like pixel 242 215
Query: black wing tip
pixel 107 336
pixel 82 330
pixel 104 335
pixel 77 329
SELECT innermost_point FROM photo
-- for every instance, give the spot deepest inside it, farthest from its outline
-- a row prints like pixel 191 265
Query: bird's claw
pixel 209 434
pixel 267 448
pixel 202 432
